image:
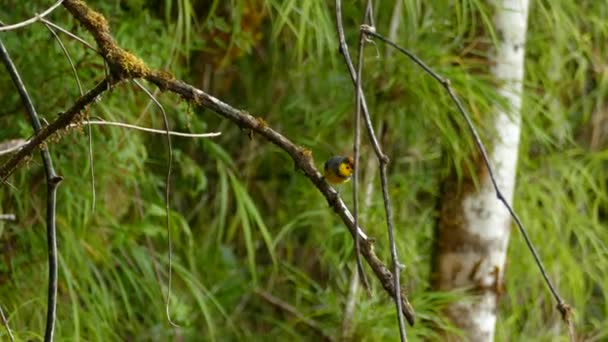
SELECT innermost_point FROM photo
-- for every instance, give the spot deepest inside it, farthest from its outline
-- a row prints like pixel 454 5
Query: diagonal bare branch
pixel 562 306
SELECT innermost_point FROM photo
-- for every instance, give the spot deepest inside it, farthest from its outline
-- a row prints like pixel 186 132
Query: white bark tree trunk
pixel 474 226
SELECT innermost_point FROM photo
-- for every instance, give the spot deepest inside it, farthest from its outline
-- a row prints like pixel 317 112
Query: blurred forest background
pixel 245 223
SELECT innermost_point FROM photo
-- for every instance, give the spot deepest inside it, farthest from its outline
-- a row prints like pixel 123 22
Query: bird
pixel 338 169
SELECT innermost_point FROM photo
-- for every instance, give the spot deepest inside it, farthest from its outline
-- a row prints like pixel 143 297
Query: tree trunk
pixel 474 226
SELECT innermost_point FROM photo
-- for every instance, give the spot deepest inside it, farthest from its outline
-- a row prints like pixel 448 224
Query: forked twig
pixel 401 302
pixel 562 306
pixel 52 181
pixel 81 91
pixel 61 122
pixel 387 202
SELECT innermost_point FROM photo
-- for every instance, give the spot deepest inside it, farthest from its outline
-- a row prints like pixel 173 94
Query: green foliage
pixel 242 219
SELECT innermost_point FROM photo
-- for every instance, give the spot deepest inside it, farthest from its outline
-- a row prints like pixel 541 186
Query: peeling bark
pixel 473 232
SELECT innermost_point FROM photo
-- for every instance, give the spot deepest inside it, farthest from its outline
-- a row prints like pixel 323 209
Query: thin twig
pixel 66 54
pixel 6 326
pixel 294 312
pixel 145 129
pixel 16 144
pixel 353 76
pixel 31 20
pixel 402 304
pixel 167 200
pixel 8 217
pixel 70 34
pixel 562 306
pixel 391 238
pixel 356 145
pixel 10 146
pixel 52 180
pixel 353 289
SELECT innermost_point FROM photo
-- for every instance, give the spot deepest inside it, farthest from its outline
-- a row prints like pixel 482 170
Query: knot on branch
pixel 333 199
pixel 305 154
pixel 384 159
pixel 55 180
pixel 262 124
pixel 566 311
pixel 367 29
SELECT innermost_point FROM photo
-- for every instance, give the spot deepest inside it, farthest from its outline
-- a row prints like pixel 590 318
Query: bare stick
pixel 52 181
pixel 31 20
pixel 562 306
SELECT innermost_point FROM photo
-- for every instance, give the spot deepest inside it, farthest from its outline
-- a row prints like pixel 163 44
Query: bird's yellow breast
pixel 334 178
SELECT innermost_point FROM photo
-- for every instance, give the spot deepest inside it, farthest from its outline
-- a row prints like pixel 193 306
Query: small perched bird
pixel 338 169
